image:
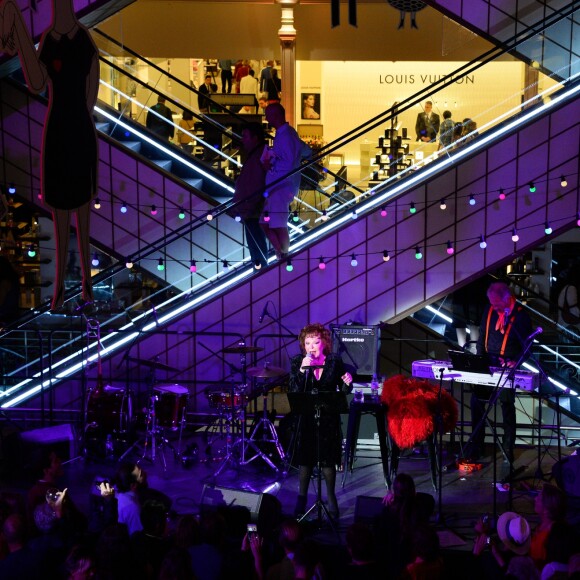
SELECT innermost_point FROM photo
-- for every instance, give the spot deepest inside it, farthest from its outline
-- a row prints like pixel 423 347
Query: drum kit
pixel 232 416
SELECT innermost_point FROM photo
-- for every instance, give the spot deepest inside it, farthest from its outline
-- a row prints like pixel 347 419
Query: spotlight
pixel 161 265
pixel 450 249
pixel 181 214
pixel 482 242
pixel 548 229
pixel 386 256
pixel 97 204
pixel 153 209
pixel 383 212
pixel 563 181
pixel 412 209
pixel 472 199
pixel 353 261
pixel 442 204
pixel 515 236
pixel 193 267
pixel 418 253
pixel 532 187
pixel 501 195
pixel 321 264
pixel 289 266
pixel 95 261
pixel 123 207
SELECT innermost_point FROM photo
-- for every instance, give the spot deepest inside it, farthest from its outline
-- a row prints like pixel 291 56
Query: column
pixel 287 36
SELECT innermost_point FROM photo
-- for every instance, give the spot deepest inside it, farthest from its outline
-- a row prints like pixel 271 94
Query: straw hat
pixel 514 531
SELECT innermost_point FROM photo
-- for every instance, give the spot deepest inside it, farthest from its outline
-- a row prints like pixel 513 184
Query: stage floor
pixel 464 498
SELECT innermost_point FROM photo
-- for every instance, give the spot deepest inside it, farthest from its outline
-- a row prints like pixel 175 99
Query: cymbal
pixel 152 364
pixel 242 349
pixel 265 372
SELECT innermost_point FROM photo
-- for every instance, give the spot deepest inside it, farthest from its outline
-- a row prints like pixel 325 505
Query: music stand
pixel 313 403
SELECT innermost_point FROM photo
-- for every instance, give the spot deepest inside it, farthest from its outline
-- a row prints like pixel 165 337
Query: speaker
pixel 358 347
pixel 263 507
pixel 366 508
pixel 59 438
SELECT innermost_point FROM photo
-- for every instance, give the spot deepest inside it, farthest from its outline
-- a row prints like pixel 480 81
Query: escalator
pixel 390 280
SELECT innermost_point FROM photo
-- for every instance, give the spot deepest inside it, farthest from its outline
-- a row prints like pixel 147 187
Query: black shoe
pixel 300 506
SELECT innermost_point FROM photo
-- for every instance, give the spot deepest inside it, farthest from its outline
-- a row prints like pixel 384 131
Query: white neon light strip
pixel 166 151
pixel 146 108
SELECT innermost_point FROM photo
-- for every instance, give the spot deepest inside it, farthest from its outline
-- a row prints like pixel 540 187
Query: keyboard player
pixel 504 328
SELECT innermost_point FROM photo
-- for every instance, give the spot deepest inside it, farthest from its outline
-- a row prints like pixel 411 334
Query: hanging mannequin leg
pixel 61 221
pixel 83 240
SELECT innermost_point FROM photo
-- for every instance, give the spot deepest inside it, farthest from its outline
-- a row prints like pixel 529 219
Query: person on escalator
pixel 160 119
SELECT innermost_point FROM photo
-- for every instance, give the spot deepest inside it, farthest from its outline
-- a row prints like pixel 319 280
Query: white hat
pixel 514 532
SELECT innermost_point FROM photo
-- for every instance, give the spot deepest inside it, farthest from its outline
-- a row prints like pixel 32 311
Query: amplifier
pixel 358 346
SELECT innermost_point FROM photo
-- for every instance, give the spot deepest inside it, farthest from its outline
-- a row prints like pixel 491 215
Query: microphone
pixel 264 312
pixel 538 330
pixel 310 356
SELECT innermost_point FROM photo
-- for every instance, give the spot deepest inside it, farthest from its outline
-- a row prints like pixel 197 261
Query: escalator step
pixel 133 145
pixel 194 182
pixel 163 163
pixel 103 127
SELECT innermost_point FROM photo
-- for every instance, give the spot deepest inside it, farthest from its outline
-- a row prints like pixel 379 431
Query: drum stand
pixel 267 429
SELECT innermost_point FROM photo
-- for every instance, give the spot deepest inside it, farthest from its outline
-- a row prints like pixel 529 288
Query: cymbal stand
pixel 267 427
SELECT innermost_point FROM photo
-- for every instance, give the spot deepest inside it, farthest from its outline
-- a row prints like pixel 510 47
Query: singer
pixel 503 333
pixel 329 375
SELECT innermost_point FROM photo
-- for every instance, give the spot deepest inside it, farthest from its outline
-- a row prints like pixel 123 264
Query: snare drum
pixel 170 402
pixel 109 410
pixel 221 398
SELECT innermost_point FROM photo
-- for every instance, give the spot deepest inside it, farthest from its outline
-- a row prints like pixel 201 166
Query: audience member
pixel 114 556
pixel 561 544
pixel 207 557
pixel 81 563
pixel 186 124
pixel 550 505
pixel 289 538
pixel 262 103
pixel 360 546
pixel 176 566
pixel 284 156
pixel 307 560
pixel 248 198
pixel 446 130
pixel 427 124
pixel 160 119
pixel 49 469
pixel 427 563
pixel 127 480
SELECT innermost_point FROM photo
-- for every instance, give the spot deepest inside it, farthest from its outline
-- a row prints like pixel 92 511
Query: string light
pixel 295 217
pixel 472 199
pixel 266 217
pixel 97 204
pixel 95 261
pixel 289 266
pixel 386 256
pixel 412 208
pixel 181 214
pixel 353 261
pixel 501 194
pixel 238 218
pixel 563 181
pixel 128 264
pixel 225 266
pixel 209 216
pixel 353 215
pixel 532 187
pixel 123 207
pixel 193 267
pixel 31 251
pixel 257 265
pixel 418 253
pixel 321 264
pixel 161 265
pixel 383 212
pixel 153 209
pixel 548 229
pixel 450 249
pixel 324 216
pixel 11 189
pixel 482 242
pixel 442 204
pixel 515 237
pixel 578 220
